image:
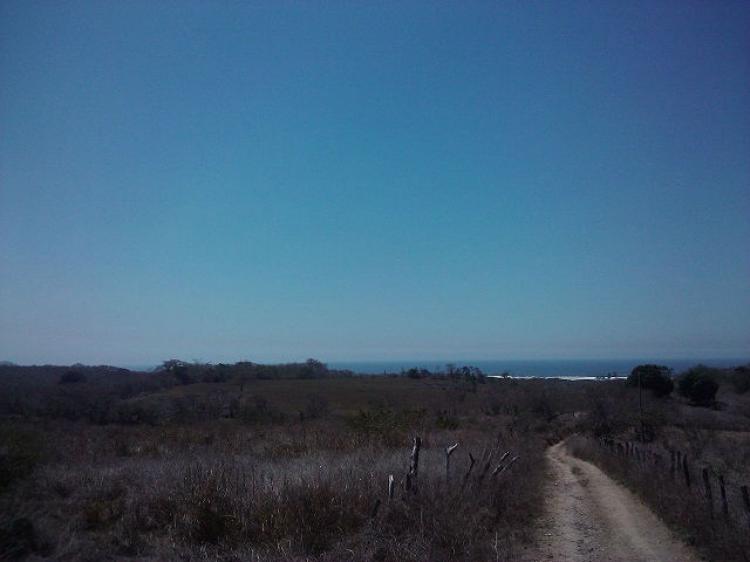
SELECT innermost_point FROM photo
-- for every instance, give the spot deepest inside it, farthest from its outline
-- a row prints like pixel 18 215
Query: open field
pixel 238 463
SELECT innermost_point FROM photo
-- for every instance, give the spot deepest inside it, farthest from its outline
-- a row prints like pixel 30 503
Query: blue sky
pixel 273 181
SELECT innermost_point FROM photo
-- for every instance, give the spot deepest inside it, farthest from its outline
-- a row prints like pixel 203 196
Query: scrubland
pixel 292 462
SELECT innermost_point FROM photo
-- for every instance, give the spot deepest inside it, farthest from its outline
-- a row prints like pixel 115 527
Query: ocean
pixel 520 367
pixel 537 367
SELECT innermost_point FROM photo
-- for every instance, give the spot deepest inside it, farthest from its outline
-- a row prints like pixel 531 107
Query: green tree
pixel 72 377
pixel 699 385
pixel 657 378
pixel 741 379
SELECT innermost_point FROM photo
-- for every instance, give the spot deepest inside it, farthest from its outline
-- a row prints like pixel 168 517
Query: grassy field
pixel 170 466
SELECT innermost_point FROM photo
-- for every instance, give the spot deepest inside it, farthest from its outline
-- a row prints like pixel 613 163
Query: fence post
pixel 414 468
pixel 746 501
pixel 500 464
pixel 723 490
pixel 709 496
pixel 672 455
pixel 483 473
pixel 507 466
pixel 374 512
pixel 390 486
pixel 685 470
pixel 472 460
pixel 448 453
pixel 411 476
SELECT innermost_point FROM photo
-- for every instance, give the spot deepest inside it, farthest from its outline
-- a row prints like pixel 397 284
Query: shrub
pixel 72 377
pixel 447 421
pixel 313 369
pixel 257 409
pixel 384 425
pixel 656 378
pixel 699 385
pixel 317 407
pixel 18 539
pixel 741 379
pixel 20 452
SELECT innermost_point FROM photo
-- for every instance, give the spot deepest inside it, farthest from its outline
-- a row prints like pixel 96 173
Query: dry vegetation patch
pixel 250 463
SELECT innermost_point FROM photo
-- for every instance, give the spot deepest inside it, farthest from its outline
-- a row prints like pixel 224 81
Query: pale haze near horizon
pixel 279 181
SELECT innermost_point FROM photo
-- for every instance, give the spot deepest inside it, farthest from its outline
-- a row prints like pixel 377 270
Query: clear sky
pixel 382 180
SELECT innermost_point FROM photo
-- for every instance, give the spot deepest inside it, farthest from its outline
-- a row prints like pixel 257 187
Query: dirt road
pixel 591 518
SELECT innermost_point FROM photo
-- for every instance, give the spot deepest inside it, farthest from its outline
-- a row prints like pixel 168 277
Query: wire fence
pixel 698 481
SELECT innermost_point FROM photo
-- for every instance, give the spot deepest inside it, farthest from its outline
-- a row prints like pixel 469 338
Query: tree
pixel 657 378
pixel 313 369
pixel 699 385
pixel 741 379
pixel 70 377
pixel 180 369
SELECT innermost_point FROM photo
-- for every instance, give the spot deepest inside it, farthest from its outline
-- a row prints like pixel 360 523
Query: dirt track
pixel 592 518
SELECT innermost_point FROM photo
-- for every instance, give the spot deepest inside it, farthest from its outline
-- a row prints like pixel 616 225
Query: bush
pixel 656 378
pixel 317 407
pixel 741 379
pixel 384 425
pixel 20 452
pixel 447 421
pixel 18 539
pixel 72 377
pixel 699 385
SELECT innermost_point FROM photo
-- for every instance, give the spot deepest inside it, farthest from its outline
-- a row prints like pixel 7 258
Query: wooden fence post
pixel 414 467
pixel 500 464
pixel 672 456
pixel 685 470
pixel 709 496
pixel 507 466
pixel 411 476
pixel 723 490
pixel 448 453
pixel 746 501
pixel 375 508
pixel 486 467
pixel 472 460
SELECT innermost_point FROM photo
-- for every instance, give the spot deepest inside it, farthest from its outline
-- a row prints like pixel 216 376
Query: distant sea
pixel 521 367
pixel 535 368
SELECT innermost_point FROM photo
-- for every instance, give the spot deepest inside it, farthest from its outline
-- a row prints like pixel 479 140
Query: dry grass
pixel 225 491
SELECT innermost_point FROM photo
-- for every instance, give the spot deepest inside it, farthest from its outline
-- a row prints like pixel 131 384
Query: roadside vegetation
pixel 691 461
